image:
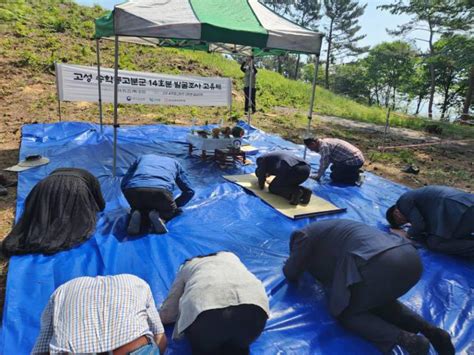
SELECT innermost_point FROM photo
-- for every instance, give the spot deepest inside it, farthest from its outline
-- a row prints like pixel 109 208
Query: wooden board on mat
pixel 316 207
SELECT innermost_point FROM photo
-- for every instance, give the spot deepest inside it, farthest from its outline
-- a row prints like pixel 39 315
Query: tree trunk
pixel 446 99
pixel 297 67
pixel 469 95
pixel 393 98
pixel 387 97
pixel 279 64
pixel 432 73
pixel 418 105
pixel 328 56
pixel 445 105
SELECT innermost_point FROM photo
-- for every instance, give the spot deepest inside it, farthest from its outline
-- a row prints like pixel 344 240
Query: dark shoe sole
pixel 157 223
pixel 134 223
pixel 306 198
pixel 296 197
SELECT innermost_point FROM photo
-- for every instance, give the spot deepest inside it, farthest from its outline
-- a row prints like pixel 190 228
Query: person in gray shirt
pixel 440 216
pixel 217 303
pixel 365 270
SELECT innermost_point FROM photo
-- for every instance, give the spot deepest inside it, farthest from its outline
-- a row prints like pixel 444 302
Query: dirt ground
pixel 29 100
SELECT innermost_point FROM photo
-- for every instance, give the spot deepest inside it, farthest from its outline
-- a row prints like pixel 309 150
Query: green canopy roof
pixel 230 26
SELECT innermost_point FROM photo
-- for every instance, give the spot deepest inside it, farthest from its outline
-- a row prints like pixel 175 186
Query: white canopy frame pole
pixel 116 65
pixel 311 105
pixel 99 80
pixel 57 91
pixel 250 98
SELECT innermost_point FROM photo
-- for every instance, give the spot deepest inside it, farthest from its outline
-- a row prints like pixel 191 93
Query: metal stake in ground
pixel 99 83
pixel 250 98
pixel 387 122
pixel 311 105
pixel 116 64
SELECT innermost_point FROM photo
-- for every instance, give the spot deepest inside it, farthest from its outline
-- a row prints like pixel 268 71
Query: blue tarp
pixel 221 216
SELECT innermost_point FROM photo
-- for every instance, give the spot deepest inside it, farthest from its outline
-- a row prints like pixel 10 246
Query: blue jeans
pixel 148 349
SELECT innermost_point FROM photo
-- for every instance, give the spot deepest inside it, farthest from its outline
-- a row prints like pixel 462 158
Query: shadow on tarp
pixel 221 216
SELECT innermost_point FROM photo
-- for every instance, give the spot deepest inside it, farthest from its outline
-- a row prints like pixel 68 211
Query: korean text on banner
pixel 79 83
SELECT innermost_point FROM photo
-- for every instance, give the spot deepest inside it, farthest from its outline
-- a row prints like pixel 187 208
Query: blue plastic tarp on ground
pixel 221 216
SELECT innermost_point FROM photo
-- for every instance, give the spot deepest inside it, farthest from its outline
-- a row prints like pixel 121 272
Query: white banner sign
pixel 80 83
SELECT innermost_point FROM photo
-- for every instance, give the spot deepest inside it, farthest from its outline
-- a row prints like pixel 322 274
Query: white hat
pixel 31 161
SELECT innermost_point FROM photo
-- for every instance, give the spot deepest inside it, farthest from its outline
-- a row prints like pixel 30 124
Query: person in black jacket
pixel 60 213
pixel 440 216
pixel 366 270
pixel 289 171
pixel 250 72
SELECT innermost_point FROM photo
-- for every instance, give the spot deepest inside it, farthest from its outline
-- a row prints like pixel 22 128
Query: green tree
pixel 418 85
pixel 307 72
pixel 280 6
pixel 452 64
pixel 342 30
pixel 433 17
pixel 390 66
pixel 351 79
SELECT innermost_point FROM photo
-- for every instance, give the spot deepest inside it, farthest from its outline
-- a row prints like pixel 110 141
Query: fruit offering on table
pixel 226 131
pixel 238 132
pixel 202 133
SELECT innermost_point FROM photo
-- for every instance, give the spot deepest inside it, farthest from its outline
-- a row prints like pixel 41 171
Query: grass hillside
pixel 36 33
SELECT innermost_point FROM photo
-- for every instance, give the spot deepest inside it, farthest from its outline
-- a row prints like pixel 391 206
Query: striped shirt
pixel 97 314
pixel 333 150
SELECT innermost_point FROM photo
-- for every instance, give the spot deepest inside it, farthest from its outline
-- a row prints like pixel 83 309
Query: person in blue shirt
pixel 440 216
pixel 365 271
pixel 148 187
pixel 289 171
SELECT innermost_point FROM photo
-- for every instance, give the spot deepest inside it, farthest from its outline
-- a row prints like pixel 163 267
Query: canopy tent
pixel 244 27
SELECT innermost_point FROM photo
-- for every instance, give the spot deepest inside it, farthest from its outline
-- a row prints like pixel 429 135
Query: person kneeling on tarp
pixel 148 187
pixel 440 216
pixel 345 158
pixel 103 314
pixel 290 171
pixel 60 213
pixel 217 303
pixel 365 271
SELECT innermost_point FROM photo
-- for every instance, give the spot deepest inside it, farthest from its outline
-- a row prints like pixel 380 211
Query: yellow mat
pixel 317 206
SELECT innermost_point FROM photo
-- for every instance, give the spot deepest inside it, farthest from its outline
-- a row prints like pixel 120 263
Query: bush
pixel 7 15
pixel 20 30
pixel 55 24
pixel 28 58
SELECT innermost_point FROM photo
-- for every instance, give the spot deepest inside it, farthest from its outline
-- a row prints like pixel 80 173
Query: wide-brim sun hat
pixel 30 161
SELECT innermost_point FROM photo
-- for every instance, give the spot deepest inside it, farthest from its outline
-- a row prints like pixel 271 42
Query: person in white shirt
pixel 217 303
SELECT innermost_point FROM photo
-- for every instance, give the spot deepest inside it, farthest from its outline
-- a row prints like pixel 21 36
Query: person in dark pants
pixel 289 171
pixel 365 271
pixel 148 187
pixel 60 213
pixel 249 83
pixel 346 159
pixel 217 304
pixel 440 216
